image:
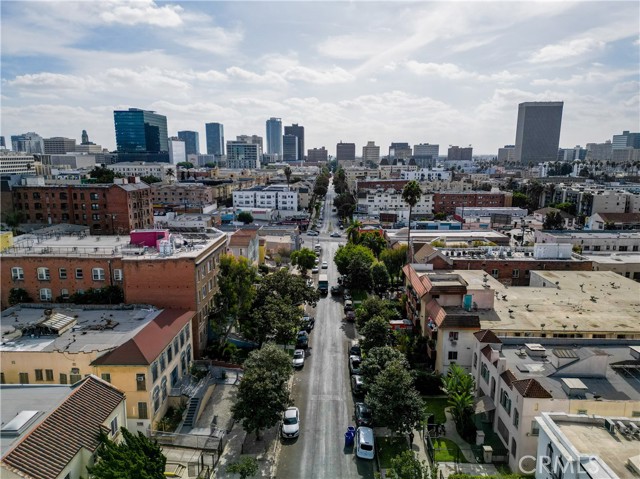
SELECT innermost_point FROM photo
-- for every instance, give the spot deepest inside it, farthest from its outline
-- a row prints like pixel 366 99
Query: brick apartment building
pixel 116 208
pixel 181 194
pixel 447 202
pixel 151 266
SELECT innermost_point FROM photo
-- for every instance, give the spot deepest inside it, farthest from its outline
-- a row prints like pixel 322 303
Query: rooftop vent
pixel 535 350
pixel 19 424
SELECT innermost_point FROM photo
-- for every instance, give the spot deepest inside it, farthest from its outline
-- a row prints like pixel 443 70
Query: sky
pixel 450 73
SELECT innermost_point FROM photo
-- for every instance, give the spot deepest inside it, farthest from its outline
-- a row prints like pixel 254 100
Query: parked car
pixel 350 316
pixel 302 340
pixel 312 233
pixel 363 415
pixel 365 445
pixel 354 364
pixel 325 265
pixel 308 323
pixel 355 350
pixel 348 305
pixel 291 423
pixel 315 270
pixel 298 358
pixel 347 295
pixel 335 234
pixel 357 386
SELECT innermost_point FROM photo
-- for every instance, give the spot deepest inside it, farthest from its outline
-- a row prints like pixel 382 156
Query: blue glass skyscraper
pixel 191 142
pixel 140 131
pixel 215 138
pixel 274 136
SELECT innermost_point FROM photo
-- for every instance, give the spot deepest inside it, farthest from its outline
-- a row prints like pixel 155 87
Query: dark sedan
pixel 363 415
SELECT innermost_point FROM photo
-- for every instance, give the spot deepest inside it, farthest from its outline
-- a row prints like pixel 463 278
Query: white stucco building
pixel 142 168
pixel 276 197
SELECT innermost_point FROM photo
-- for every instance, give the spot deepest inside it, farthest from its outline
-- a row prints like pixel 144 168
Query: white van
pixel 365 446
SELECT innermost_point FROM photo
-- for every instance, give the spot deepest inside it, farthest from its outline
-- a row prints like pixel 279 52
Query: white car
pixel 325 265
pixel 335 234
pixel 298 358
pixel 365 446
pixel 315 270
pixel 291 423
pixel 312 233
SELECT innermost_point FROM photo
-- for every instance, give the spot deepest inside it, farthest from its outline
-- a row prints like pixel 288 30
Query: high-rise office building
pixel 252 139
pixel 28 143
pixel 297 131
pixel 59 145
pixel 191 141
pixel 317 155
pixel 290 148
pixel 506 153
pixel 538 131
pixel 345 152
pixel 626 140
pixel 2 143
pixel 426 155
pixel 274 136
pixel 371 153
pixel 457 153
pixel 400 151
pixel 140 131
pixel 243 155
pixel 215 138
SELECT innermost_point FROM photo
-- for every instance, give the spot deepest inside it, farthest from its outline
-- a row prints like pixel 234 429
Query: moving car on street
pixel 325 265
pixel 291 423
pixel 335 234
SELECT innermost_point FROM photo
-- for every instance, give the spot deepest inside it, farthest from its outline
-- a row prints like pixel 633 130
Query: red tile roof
pixel 49 448
pixel 487 336
pixel 147 345
pixel 242 237
pixel 508 377
pixel 530 388
pixel 415 280
pixel 486 352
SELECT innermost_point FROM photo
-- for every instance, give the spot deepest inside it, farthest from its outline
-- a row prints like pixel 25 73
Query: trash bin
pixel 351 429
pixel 348 439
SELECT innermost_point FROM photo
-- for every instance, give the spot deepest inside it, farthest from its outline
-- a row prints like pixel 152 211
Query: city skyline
pixel 453 75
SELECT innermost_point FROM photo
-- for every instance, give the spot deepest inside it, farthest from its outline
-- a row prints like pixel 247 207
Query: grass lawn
pixel 436 406
pixel 390 447
pixel 447 451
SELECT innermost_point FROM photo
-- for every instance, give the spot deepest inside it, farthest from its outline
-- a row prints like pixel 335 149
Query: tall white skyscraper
pixel 274 137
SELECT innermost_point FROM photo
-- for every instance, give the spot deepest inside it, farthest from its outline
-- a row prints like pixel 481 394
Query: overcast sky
pixel 436 72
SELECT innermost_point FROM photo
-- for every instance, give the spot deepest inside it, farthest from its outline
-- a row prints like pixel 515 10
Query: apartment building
pixel 33 416
pixel 164 171
pixel 12 163
pixel 448 307
pixel 116 208
pixel 144 352
pixel 426 174
pixel 277 197
pixel 245 243
pixel 447 202
pixel 376 201
pixel 150 266
pixel 182 194
pixel 593 241
pixel 517 380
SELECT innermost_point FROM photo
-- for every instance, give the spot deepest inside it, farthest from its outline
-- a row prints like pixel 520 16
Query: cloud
pixel 141 12
pixel 319 77
pixel 212 39
pixel 564 50
pixel 454 72
pixel 589 77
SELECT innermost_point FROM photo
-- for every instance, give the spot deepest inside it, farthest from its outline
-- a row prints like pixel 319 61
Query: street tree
pixel 245 467
pixel 236 290
pixel 187 165
pixel 519 200
pixel 394 401
pixel 411 195
pixel 359 274
pixel 353 232
pixel 377 333
pixel 375 306
pixel 263 393
pixel 553 221
pixel 274 320
pixel 245 217
pixel 135 456
pixel 380 277
pixel 347 253
pixel 407 466
pixel 394 259
pixel 459 385
pixel 376 361
pixel 304 259
pixel 374 241
pixel 287 288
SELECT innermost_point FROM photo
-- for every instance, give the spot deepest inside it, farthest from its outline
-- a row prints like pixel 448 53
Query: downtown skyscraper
pixel 274 137
pixel 538 131
pixel 141 135
pixel 215 138
pixel 297 131
pixel 191 141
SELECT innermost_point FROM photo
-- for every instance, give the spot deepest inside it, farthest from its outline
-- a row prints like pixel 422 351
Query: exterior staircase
pixel 192 411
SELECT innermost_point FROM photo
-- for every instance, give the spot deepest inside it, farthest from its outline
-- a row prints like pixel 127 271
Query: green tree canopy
pixel 287 288
pixel 150 179
pixel 263 393
pixel 102 174
pixel 553 221
pixel 376 361
pixel 274 320
pixel 187 165
pixel 407 466
pixel 245 467
pixel 346 254
pixel 359 274
pixel 519 200
pixel 135 457
pixel 380 277
pixel 394 401
pixel 459 386
pixel 236 290
pixel 375 306
pixel 245 217
pixel 304 259
pixel 374 241
pixel 377 333
pixel 394 259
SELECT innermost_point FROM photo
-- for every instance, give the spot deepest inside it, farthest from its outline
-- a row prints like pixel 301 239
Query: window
pixel 43 274
pixel 484 372
pixel 45 294
pixel 106 377
pixel 582 411
pixel 2 381
pixel 142 411
pixel 117 275
pixel 163 387
pixel 93 196
pixel 62 273
pixel 535 428
pixel 176 346
pixel 162 362
pixel 181 338
pixel 17 273
pixel 156 398
pixel 494 273
pixel 95 217
pixel 453 335
pixel 141 382
pixel 154 372
pixel 515 273
pixel 505 401
pixel 114 426
pixel 187 332
pixel 79 273
pixel 453 355
pixel 475 360
pixel 516 418
pixel 39 376
pixel 169 354
pixel 74 378
pixel 97 274
pixel 513 447
pixel 24 378
pixel 48 374
pixel 63 378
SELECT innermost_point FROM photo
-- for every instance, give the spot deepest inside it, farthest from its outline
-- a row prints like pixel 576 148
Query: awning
pixel 483 404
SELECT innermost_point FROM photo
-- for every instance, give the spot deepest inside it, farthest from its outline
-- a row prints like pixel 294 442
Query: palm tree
pixel 170 173
pixel 287 173
pixel 411 195
pixel 353 231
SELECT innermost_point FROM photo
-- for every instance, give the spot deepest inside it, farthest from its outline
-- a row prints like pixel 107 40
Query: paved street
pixel 322 390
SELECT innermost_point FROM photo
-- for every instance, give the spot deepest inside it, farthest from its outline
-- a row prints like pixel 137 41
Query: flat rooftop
pixel 585 234
pixel 502 254
pixel 446 235
pixel 593 439
pixel 16 398
pixel 614 259
pixel 84 330
pixel 191 246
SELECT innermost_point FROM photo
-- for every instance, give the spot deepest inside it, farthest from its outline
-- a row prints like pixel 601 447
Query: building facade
pixel 191 141
pixel 290 148
pixel 215 138
pixel 277 197
pixel 180 195
pixel 317 155
pixel 457 153
pixel 274 136
pixel 143 168
pixel 140 131
pixel 447 202
pixel 177 150
pixel 297 131
pixel 243 155
pixel 59 145
pixel 538 132
pixel 371 153
pixel 426 155
pixel 345 152
pixel 28 143
pixel 13 163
